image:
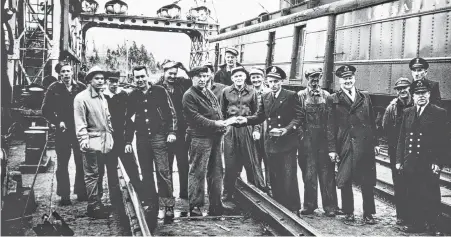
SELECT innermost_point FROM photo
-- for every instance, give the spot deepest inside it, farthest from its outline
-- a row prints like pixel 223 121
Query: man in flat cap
pixel 155 126
pixel 176 87
pixel 204 134
pixel 58 109
pixel 94 133
pixel 351 135
pixel 236 100
pixel 257 75
pixel 117 105
pixel 391 123
pixel 421 153
pixel 313 156
pixel 419 68
pixel 215 87
pixel 223 76
pixel 282 109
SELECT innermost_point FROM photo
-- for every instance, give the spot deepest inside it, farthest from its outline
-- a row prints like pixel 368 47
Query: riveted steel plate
pixel 397 40
pixel 364 43
pixel 376 33
pixel 426 34
pixel 411 38
pixel 440 36
pixel 441 72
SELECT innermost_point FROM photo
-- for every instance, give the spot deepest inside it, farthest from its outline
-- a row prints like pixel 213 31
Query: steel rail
pixel 279 217
pixel 138 209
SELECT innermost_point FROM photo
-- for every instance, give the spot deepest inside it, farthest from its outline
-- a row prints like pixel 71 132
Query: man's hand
pixel 436 169
pixel 334 157
pixel 256 135
pixel 128 148
pixel 398 166
pixel 84 144
pixel 63 126
pixel 220 123
pixel 283 131
pixel 241 120
pixel 171 138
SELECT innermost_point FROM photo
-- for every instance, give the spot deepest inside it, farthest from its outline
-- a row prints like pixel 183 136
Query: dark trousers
pixel 179 149
pixel 65 142
pixel 94 167
pixel 239 152
pixel 347 199
pixel 284 180
pixel 315 163
pixel 400 193
pixel 154 150
pixel 130 166
pixel 205 163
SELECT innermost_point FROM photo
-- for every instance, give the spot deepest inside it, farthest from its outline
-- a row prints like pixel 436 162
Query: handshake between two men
pixel 240 120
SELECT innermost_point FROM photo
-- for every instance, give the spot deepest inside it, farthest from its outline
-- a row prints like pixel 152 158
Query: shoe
pixel 369 220
pixel 350 217
pixel 307 211
pixel 400 221
pixel 329 213
pixel 183 214
pixel 339 212
pixel 195 212
pixel 82 197
pixel 65 201
pixel 98 213
pixel 168 215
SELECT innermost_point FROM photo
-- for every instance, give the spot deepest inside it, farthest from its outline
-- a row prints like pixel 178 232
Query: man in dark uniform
pixel 391 123
pixel 58 109
pixel 351 135
pixel 282 109
pixel 419 68
pixel 223 75
pixel 315 161
pixel 176 87
pixel 117 105
pixel 421 153
pixel 215 87
pixel 155 125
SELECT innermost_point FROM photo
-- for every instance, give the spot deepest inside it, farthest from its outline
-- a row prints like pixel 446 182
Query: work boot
pixel 307 211
pixel 329 213
pixel 369 220
pixel 65 201
pixel 350 217
pixel 195 212
pixel 168 215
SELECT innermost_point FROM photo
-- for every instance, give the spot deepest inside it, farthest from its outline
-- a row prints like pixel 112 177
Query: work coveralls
pixel 314 160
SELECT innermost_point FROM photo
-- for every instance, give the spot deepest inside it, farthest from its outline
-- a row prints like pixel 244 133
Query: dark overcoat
pixel 351 131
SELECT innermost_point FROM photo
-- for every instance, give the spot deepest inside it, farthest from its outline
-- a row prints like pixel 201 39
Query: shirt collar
pixel 110 93
pixel 244 88
pixel 94 93
pixel 276 94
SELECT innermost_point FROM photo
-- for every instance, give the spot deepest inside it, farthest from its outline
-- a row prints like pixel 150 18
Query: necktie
pixel 419 111
pixel 350 95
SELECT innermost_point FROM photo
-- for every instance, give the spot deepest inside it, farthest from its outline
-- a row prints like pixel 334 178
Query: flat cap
pixel 60 65
pixel 239 69
pixel 197 71
pixel 419 86
pixel 167 64
pixel 275 72
pixel 209 65
pixel 402 82
pixel 232 51
pixel 313 71
pixel 418 63
pixel 345 71
pixel 113 75
pixel 257 70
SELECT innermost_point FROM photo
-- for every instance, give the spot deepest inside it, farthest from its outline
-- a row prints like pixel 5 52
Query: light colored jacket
pixel 93 120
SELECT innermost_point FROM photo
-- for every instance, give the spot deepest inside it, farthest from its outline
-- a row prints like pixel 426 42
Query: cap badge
pixel 419 83
pixel 418 60
pixel 346 68
pixel 274 70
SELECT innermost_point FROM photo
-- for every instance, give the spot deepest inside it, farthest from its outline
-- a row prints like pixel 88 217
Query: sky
pixel 175 46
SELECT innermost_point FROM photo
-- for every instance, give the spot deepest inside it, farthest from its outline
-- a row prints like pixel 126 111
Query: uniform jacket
pixel 179 88
pixel 281 112
pixel 93 120
pixel 422 141
pixel 391 123
pixel 58 104
pixel 351 131
pixel 435 93
pixel 153 111
pixel 201 112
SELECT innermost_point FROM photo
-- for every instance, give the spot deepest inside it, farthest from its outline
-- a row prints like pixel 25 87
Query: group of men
pixel 250 118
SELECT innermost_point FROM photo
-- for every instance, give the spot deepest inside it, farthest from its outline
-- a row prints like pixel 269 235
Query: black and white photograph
pixel 225 118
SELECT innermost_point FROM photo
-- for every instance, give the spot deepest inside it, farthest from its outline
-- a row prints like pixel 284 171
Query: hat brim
pixel 91 74
pixel 313 73
pixel 273 75
pixel 420 90
pixel 402 85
